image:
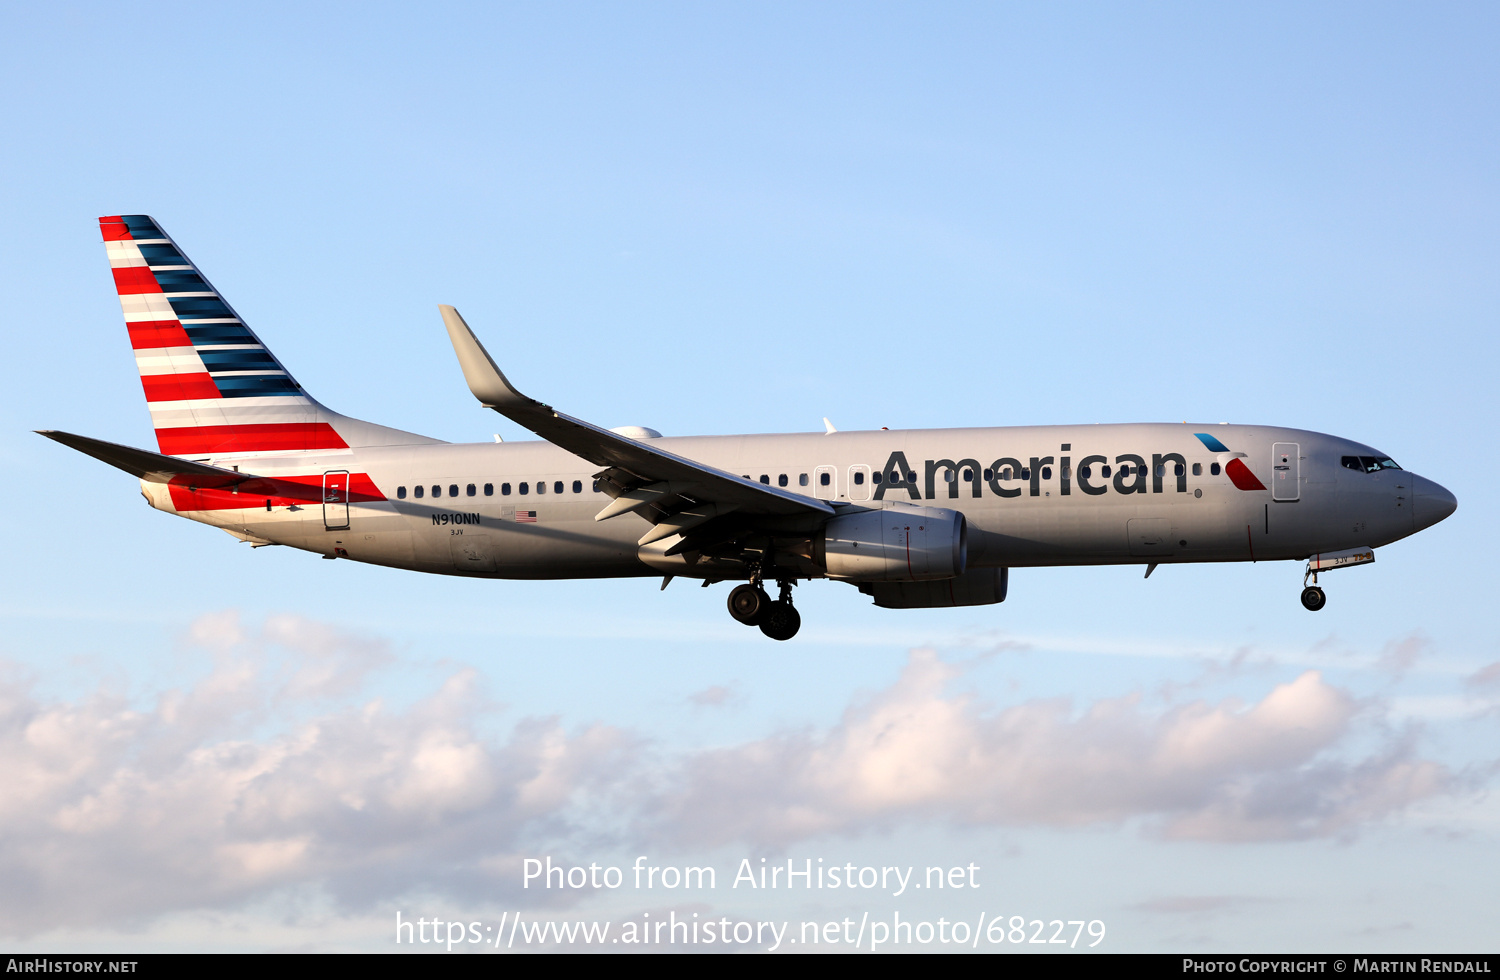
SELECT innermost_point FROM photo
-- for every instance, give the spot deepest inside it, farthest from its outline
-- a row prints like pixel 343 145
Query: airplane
pixel 913 519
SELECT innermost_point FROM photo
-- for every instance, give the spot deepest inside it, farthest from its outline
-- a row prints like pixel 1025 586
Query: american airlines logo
pixel 1094 475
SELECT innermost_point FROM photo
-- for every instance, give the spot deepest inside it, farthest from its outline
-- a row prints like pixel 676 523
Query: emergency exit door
pixel 825 483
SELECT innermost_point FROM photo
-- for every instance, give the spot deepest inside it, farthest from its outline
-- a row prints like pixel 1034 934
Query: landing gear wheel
pixel 748 604
pixel 1313 598
pixel 781 620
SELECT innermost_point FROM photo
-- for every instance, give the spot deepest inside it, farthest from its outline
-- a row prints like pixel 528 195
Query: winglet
pixel 485 380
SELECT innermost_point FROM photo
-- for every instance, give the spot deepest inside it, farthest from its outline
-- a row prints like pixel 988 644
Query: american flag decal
pixel 525 517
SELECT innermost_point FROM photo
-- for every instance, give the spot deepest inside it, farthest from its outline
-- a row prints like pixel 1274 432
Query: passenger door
pixel 1286 470
pixel 336 500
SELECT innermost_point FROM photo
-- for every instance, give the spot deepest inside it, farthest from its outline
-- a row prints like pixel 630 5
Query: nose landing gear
pixel 778 619
pixel 1313 598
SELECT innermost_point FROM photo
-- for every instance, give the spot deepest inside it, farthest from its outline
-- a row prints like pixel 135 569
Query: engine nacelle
pixel 976 587
pixel 899 544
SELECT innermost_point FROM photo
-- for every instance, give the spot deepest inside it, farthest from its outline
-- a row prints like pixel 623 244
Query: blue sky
pixel 732 218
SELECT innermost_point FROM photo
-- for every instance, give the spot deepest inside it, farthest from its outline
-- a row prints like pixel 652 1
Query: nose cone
pixel 1433 502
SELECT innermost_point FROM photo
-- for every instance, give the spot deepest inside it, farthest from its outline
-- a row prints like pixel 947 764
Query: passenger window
pixel 859 478
pixel 1197 469
pixel 470 489
pixel 557 487
pixel 781 480
pixel 987 475
pixel 825 479
pixel 541 486
pixel 949 476
pixel 505 489
pixel 400 493
pixel 489 489
pixel 876 477
pixel 437 491
pixel 1005 474
pixel 911 478
pixel 766 479
pixel 1084 472
pixel 968 475
pixel 418 492
pixel 1104 471
pixel 1213 469
pixel 1177 470
pixel 1025 472
pixel 578 486
pixel 802 480
pixel 523 489
pixel 1046 472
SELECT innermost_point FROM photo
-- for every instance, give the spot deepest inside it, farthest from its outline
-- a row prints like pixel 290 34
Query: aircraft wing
pixel 639 475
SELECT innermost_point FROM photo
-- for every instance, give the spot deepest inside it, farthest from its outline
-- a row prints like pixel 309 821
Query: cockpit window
pixel 1368 464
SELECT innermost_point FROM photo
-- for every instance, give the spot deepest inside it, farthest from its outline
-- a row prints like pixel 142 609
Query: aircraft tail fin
pixel 212 386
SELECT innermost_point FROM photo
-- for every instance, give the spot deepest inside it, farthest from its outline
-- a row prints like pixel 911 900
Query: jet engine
pixel 899 544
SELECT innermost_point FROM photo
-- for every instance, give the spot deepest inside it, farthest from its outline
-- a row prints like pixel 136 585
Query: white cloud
pixel 112 814
pixel 1485 678
pixel 712 696
pixel 210 798
pixel 1209 771
pixel 1400 655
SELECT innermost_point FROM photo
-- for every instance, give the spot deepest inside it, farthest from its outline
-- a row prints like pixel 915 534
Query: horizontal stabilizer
pixel 154 468
pixel 148 466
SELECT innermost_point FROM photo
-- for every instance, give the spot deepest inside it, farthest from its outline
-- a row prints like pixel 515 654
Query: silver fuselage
pixel 1054 516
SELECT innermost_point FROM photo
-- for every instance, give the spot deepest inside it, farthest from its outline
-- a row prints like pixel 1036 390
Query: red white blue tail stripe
pixel 213 388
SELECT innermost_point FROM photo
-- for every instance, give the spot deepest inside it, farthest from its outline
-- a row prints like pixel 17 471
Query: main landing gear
pixel 777 619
